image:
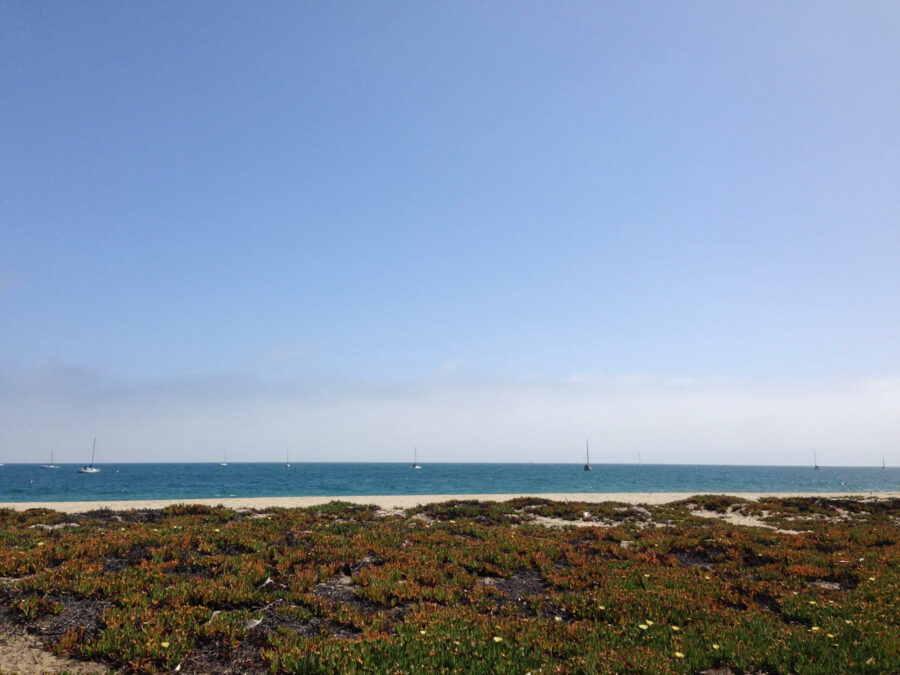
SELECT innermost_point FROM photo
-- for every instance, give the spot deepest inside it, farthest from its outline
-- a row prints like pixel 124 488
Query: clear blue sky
pixel 321 197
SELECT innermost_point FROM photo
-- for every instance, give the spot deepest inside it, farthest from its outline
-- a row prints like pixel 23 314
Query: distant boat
pixel 587 455
pixel 287 459
pixel 815 462
pixel 882 462
pixel 51 465
pixel 90 468
pixel 415 464
pixel 224 457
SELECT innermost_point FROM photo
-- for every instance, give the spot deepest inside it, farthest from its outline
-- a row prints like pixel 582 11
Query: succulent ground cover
pixel 526 585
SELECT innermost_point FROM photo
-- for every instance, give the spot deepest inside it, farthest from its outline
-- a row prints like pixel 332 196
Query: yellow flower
pixel 715 646
pixel 812 602
pixel 675 628
pixel 848 621
pixel 163 644
pixel 602 607
pixel 421 632
pixel 679 655
pixel 217 530
pixel 40 543
pixel 831 635
pixel 557 618
pixel 643 626
pixel 649 622
pixel 871 578
pixel 815 629
pixel 497 638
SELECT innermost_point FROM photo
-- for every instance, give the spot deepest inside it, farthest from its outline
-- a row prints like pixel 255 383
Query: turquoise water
pixel 28 482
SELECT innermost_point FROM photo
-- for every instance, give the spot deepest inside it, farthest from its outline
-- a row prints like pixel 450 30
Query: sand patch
pixel 561 523
pixel 736 517
pixel 23 653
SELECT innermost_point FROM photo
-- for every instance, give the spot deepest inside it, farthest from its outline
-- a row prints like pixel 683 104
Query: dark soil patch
pixel 130 558
pixel 87 613
pixel 524 582
pixel 517 590
pixel 8 593
pixel 195 570
pixel 230 549
pixel 768 603
pixel 142 516
pixel 316 625
pixel 339 588
pixel 102 515
pixel 704 558
pixel 218 657
pixel 342 588
pixel 757 560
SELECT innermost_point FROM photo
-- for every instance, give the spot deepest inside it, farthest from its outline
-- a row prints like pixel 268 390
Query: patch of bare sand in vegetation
pixel 737 517
pixel 561 523
pixel 636 516
pixel 23 653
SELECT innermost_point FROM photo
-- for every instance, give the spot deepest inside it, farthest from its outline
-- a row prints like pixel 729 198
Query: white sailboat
pixel 587 455
pixel 287 459
pixel 415 464
pixel 51 465
pixel 224 457
pixel 815 461
pixel 90 468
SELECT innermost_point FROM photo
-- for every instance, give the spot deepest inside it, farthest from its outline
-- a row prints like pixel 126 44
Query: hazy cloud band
pixel 450 418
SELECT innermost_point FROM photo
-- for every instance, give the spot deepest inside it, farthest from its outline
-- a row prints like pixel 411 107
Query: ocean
pixel 29 482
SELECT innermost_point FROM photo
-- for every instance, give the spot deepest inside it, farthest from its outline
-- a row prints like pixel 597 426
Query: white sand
pixel 409 501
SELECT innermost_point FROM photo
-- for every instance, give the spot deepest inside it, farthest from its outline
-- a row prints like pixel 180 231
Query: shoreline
pixel 411 501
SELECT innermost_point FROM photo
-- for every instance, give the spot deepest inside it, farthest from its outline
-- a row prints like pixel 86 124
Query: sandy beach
pixel 410 501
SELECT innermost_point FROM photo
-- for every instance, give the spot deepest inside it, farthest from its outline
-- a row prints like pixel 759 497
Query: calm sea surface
pixel 28 482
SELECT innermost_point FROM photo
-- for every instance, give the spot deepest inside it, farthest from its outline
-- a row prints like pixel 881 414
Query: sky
pixel 489 230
